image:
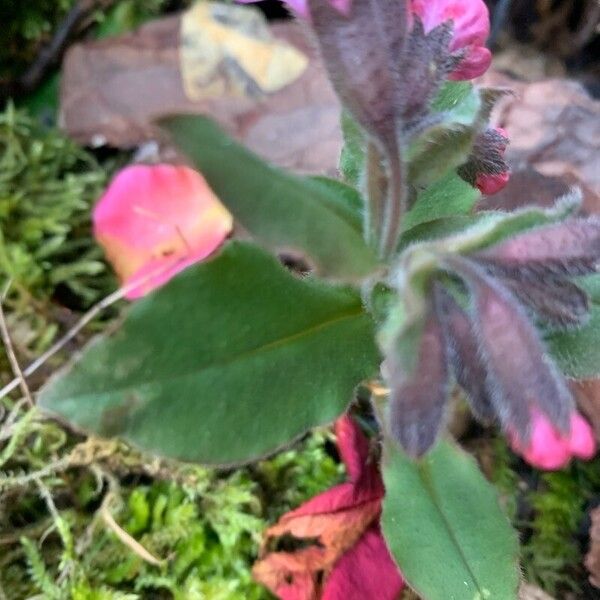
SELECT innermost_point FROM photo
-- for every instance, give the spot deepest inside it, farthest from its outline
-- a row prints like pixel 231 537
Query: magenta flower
pixel 154 221
pixel 471 22
pixel 548 448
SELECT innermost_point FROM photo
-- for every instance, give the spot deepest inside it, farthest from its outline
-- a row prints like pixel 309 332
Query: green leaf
pixel 282 211
pixel 577 351
pixel 443 524
pixel 232 359
pixel 446 197
pixel 447 144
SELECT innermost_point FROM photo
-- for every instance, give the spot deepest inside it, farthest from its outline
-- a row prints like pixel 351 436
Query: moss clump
pixel 203 527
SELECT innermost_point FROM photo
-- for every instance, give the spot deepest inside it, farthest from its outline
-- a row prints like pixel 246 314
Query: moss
pixel 204 526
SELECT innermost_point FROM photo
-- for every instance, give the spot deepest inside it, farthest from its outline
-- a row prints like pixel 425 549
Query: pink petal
pixel 546 449
pixel 476 63
pixel 581 438
pixel 367 570
pixel 154 221
pixel 471 21
pixel 491 184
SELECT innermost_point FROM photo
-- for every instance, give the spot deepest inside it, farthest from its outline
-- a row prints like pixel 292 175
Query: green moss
pixel 204 526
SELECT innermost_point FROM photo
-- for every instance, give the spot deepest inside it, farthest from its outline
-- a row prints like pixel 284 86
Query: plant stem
pixel 375 183
pixel 395 204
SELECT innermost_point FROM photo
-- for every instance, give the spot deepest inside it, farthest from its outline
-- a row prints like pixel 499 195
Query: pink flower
pixel 300 7
pixel 350 559
pixel 154 221
pixel 551 449
pixel 471 22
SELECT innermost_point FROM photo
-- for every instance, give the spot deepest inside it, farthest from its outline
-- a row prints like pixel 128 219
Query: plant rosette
pixel 228 355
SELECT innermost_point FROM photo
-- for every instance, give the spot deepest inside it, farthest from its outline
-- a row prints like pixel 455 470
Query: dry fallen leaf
pixel 336 535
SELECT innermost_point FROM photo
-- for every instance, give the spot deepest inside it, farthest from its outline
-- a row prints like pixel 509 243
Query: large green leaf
pixel 443 524
pixel 232 359
pixel 281 210
pixel 577 351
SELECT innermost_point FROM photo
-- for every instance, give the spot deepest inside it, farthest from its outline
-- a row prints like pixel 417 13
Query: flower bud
pixel 548 448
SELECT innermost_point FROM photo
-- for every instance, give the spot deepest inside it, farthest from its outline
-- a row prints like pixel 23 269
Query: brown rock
pixel 113 89
pixel 554 127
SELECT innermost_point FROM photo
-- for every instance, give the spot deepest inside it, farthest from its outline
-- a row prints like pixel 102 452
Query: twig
pixel 22 480
pixel 129 541
pixel 10 352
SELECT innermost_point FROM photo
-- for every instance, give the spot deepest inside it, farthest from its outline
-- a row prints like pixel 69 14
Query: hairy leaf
pixel 568 248
pixel 232 359
pixel 419 392
pixel 444 526
pixel 447 143
pixel 446 197
pixel 352 158
pixel 520 374
pixel 577 351
pixel 372 36
pixel 464 355
pixel 281 210
pixel 555 300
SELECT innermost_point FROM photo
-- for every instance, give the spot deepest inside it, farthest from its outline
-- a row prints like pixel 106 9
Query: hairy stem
pixel 396 201
pixel 376 185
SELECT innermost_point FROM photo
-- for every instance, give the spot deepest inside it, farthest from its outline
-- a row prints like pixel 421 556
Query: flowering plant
pixel 405 293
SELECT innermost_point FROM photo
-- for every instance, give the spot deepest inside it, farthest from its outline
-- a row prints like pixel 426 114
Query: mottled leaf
pixel 232 359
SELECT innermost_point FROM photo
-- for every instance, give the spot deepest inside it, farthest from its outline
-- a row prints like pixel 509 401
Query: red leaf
pixel 343 553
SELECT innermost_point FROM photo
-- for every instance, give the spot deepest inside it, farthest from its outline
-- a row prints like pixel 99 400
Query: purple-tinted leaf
pixel 357 51
pixel 521 375
pixel 419 394
pixel 568 248
pixel 424 67
pixel 463 353
pixel 556 300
